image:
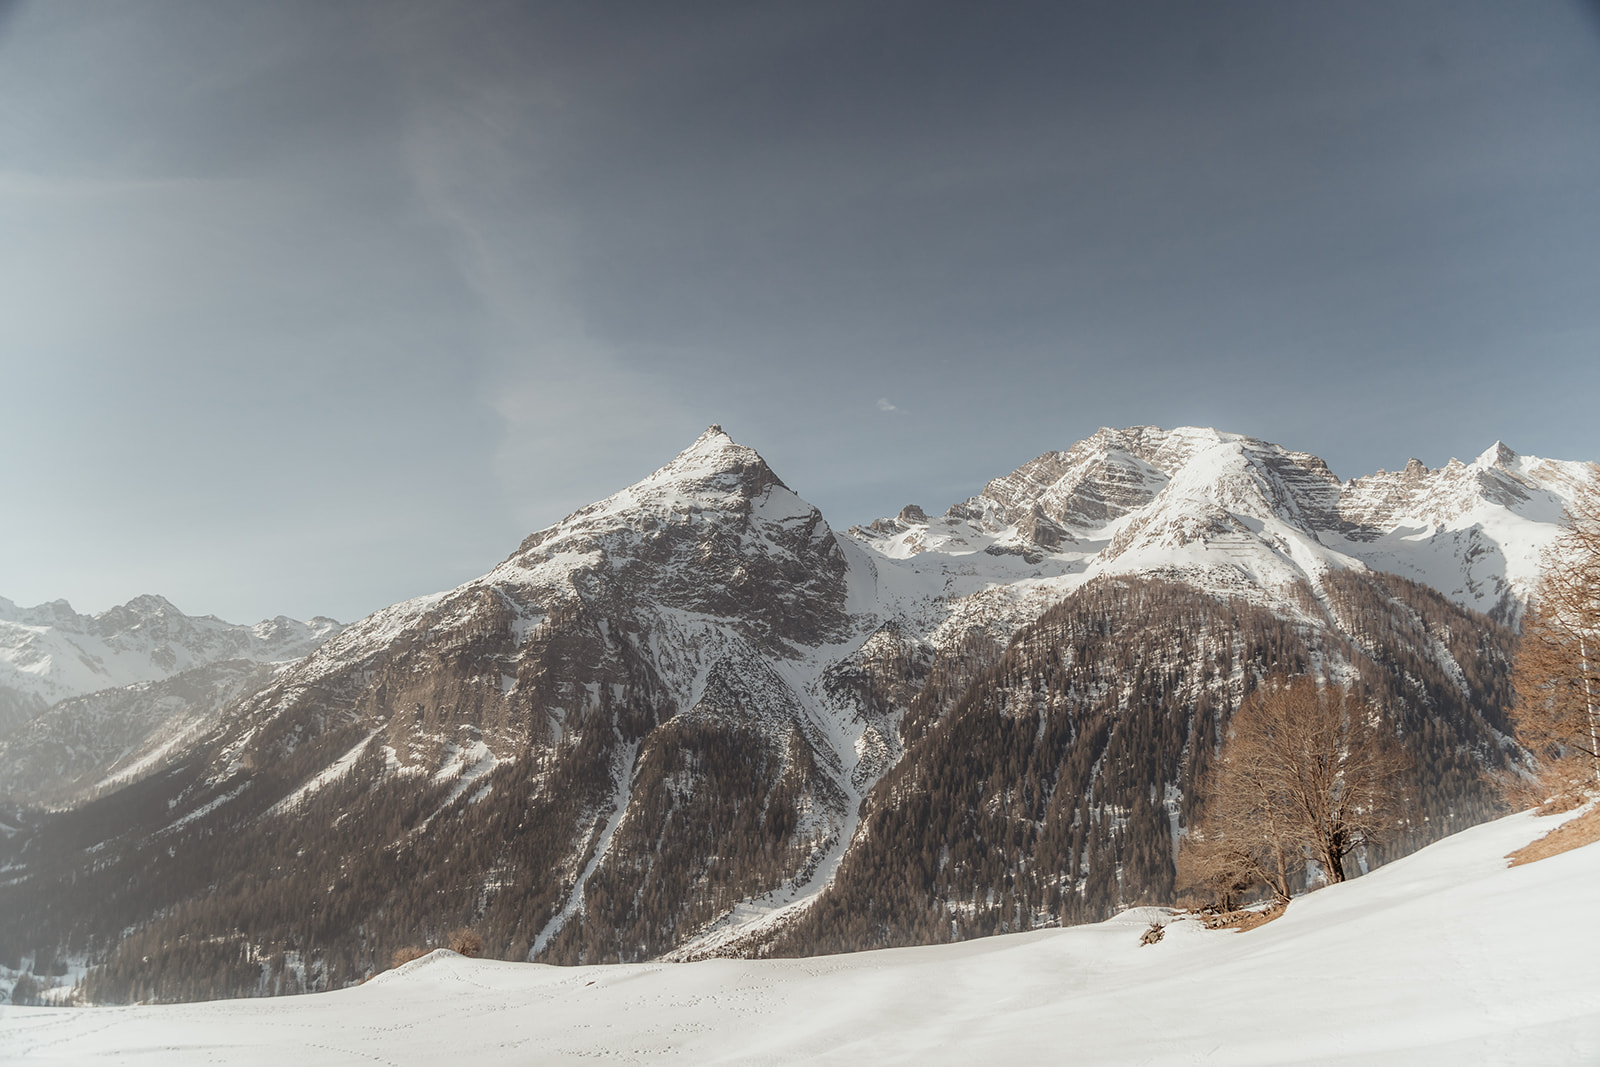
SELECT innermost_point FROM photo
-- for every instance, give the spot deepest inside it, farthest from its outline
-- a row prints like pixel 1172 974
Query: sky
pixel 307 308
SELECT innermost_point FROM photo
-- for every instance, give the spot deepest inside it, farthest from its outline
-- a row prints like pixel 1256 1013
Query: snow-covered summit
pixel 1475 531
pixel 1528 486
pixel 1231 512
pixel 713 474
pixel 714 461
pixel 49 652
pixel 716 511
pixel 714 533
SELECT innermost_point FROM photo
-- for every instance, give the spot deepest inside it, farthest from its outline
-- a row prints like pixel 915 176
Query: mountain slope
pixel 87 701
pixel 1058 786
pixel 593 751
pixel 1444 957
pixel 84 745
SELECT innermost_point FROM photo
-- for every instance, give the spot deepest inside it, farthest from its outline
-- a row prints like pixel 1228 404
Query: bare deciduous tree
pixel 466 941
pixel 1221 870
pixel 1557 674
pixel 1306 770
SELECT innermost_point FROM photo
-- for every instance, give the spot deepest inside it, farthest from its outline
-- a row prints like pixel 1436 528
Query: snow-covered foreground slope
pixel 1444 957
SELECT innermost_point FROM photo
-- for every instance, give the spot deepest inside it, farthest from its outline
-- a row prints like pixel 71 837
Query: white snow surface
pixel 1446 957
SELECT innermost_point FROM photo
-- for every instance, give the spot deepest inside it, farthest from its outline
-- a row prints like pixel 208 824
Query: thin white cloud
pixel 884 405
pixel 574 419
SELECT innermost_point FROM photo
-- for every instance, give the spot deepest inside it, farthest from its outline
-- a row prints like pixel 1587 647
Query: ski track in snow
pixel 1445 957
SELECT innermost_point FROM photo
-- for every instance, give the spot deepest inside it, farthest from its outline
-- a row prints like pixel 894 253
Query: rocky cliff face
pixel 1117 473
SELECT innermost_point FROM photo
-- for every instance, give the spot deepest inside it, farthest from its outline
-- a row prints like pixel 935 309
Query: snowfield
pixel 1447 957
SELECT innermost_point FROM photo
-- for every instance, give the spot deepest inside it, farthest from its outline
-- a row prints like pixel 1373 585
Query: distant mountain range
pixel 50 652
pixel 692 719
pixel 87 701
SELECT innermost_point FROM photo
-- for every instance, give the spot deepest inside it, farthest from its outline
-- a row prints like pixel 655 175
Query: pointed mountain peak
pixel 151 604
pixel 714 439
pixel 1496 455
pixel 715 473
pixel 712 458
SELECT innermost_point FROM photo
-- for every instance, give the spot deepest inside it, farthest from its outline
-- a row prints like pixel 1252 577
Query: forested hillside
pixel 1058 786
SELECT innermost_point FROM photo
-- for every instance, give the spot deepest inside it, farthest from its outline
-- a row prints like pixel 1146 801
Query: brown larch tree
pixel 1557 674
pixel 1307 770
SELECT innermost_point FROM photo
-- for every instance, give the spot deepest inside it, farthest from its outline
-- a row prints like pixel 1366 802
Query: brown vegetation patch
pixel 1562 803
pixel 403 956
pixel 465 941
pixel 1575 833
pixel 1244 918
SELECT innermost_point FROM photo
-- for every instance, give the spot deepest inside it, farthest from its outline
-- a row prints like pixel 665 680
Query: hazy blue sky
pixel 308 308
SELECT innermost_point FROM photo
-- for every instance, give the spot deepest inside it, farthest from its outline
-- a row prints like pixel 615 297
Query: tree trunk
pixel 1281 888
pixel 1588 699
pixel 1332 862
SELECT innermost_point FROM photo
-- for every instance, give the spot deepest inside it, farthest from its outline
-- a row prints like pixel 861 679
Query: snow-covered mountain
pixel 693 719
pixel 705 593
pixel 86 700
pixel 85 745
pixel 50 652
pixel 1234 515
pixel 641 689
